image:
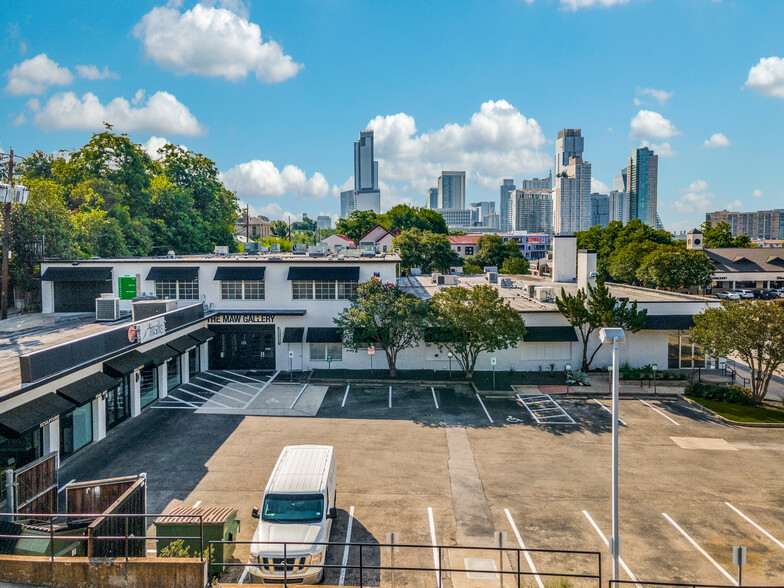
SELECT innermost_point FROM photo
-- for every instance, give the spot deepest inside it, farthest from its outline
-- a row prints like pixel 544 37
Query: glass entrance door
pixel 691 354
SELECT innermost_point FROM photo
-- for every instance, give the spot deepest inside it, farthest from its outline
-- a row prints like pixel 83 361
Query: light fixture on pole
pixel 568 371
pixel 614 336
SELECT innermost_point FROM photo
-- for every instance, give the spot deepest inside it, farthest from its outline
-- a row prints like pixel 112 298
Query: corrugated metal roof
pixel 215 515
pixel 301 468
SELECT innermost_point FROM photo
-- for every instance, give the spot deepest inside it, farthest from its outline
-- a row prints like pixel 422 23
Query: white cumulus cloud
pixel 91 72
pixel 35 75
pixel 661 96
pixel 578 4
pixel 648 123
pixel 697 199
pixel 767 77
pixel 154 143
pixel 261 179
pixel 757 194
pixel 716 140
pixel 161 113
pixel 498 142
pixel 599 186
pixel 212 41
pixel 660 149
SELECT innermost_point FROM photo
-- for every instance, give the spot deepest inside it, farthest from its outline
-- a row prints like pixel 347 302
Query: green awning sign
pixel 127 287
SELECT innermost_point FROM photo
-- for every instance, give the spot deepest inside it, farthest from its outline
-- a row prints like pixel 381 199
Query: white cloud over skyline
pixel 92 73
pixel 716 140
pixel 212 41
pixel 697 199
pixel 261 179
pixel 35 75
pixel 660 149
pixel 661 96
pixel 767 77
pixel 652 125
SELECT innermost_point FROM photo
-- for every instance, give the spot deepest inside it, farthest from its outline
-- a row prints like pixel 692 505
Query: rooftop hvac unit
pixel 507 283
pixel 490 268
pixel 434 277
pixel 221 250
pixel 252 247
pixel 492 277
pixel 299 249
pixel 275 248
pixel 544 294
pixel 447 280
pixel 107 308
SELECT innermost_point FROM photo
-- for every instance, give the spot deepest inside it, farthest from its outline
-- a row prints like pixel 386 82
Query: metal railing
pixel 375 549
pixel 643 584
pixel 126 538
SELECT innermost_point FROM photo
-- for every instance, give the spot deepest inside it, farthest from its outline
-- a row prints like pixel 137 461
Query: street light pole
pixel 7 237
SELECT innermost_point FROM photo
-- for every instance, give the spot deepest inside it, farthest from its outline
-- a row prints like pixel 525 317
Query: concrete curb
pixel 707 410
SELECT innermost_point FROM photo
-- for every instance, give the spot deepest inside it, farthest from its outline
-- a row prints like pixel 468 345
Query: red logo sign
pixel 132 334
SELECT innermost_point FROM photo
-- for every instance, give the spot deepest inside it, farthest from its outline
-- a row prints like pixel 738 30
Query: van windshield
pixel 293 508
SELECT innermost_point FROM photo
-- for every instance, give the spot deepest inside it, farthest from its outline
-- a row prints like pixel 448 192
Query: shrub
pixel 470 268
pixel 720 393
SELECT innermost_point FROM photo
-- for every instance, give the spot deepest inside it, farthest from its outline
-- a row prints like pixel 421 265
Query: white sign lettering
pixel 149 330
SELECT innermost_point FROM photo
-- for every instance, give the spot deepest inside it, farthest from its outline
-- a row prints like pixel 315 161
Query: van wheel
pixel 320 578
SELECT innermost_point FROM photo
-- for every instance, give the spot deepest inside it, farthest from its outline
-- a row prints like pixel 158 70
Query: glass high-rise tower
pixel 642 173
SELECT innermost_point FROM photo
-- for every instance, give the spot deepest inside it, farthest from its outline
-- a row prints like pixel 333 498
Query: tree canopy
pixel 752 330
pixel 398 218
pixel 493 251
pixel 426 250
pixel 720 236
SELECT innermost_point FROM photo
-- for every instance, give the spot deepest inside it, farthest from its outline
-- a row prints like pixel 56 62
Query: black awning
pixel 126 363
pixel 183 344
pixel 161 354
pixel 668 322
pixel 172 273
pixel 77 274
pixel 549 335
pixel 30 415
pixel 202 335
pixel 85 390
pixel 240 272
pixel 324 273
pixel 293 334
pixel 324 335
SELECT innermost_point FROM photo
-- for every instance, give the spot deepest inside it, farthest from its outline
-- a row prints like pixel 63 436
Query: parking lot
pixel 439 464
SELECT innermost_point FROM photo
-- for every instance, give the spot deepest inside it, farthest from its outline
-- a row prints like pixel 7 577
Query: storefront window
pixel 320 351
pixel 76 429
pixel 118 403
pixel 193 361
pixel 673 352
pixel 173 375
pixel 16 453
pixel 149 385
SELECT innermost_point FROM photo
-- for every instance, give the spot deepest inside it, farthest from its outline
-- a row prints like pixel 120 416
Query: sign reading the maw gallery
pixel 149 330
pixel 241 318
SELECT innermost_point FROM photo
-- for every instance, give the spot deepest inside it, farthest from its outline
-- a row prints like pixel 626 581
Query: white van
pixel 298 508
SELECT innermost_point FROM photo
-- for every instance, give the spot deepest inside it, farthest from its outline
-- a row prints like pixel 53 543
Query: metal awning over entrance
pixel 668 322
pixel 549 335
pixel 172 274
pixel 293 334
pixel 127 362
pixel 323 335
pixel 239 273
pixel 77 274
pixel 85 390
pixel 324 273
pixel 202 335
pixel 161 354
pixel 183 344
pixel 32 414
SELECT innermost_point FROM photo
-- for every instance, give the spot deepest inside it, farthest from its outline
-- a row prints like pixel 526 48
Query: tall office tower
pixel 366 193
pixel 324 221
pixel 479 210
pixel 432 198
pixel 570 143
pixel 641 177
pixel 619 206
pixel 538 183
pixel 600 209
pixel 531 211
pixel 572 200
pixel 619 182
pixel 492 221
pixel 451 190
pixel 506 191
pixel 347 203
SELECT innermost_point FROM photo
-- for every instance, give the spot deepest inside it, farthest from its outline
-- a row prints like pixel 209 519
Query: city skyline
pixel 263 96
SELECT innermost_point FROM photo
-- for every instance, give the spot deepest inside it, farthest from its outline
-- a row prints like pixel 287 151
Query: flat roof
pixel 517 296
pixel 238 258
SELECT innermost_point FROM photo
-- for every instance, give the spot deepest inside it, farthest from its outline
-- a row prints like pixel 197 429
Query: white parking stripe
pixel 298 395
pixel 756 526
pixel 212 391
pixel 244 376
pixel 197 504
pixel 63 488
pixel 229 379
pixel 170 397
pixel 435 400
pixel 434 543
pixel 607 543
pixel 489 418
pixel 346 548
pixel 222 385
pixel 390 397
pixel 522 546
pixel 181 389
pixel 244 574
pixel 701 550
pixel 660 412
pixel 264 387
pixel 620 420
pixel 342 404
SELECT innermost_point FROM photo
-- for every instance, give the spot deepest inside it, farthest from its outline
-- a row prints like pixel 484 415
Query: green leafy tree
pixel 675 267
pixel 622 264
pixel 426 250
pixel 597 308
pixel 98 234
pixel 471 268
pixel 385 316
pixel 403 217
pixel 467 322
pixel 358 224
pixel 752 330
pixel 515 265
pixel 278 228
pixel 720 236
pixel 285 244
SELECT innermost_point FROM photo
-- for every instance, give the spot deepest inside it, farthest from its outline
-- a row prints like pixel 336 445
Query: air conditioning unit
pixel 107 308
pixel 221 250
pixel 446 280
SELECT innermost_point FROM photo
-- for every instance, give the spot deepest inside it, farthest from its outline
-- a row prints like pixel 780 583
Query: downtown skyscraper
pixel 452 190
pixel 642 172
pixel 365 195
pixel 572 194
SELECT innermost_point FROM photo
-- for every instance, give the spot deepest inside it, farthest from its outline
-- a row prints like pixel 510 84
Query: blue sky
pixel 276 92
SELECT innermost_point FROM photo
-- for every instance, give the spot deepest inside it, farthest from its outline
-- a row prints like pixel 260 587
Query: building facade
pixel 324 221
pixel 532 211
pixel 538 183
pixel 252 227
pixel 347 203
pixel 458 219
pixel 761 224
pixel 600 209
pixel 452 190
pixel 570 143
pixel 619 206
pixel 366 193
pixel 479 212
pixel 432 198
pixel 642 179
pixel 507 188
pixel 572 200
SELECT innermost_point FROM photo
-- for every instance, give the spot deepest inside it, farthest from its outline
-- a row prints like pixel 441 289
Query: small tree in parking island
pixel 467 322
pixel 597 308
pixel 383 315
pixel 753 330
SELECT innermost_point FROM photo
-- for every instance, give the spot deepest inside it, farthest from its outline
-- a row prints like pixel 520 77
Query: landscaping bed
pixel 743 414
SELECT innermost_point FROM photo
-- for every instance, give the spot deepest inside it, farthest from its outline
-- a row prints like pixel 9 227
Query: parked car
pixel 745 293
pixel 768 294
pixel 727 295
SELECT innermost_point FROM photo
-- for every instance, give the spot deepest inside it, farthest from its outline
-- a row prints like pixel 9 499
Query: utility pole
pixel 7 237
pixel 247 223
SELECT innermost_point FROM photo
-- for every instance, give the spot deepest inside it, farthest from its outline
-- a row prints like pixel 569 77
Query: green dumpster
pixel 218 524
